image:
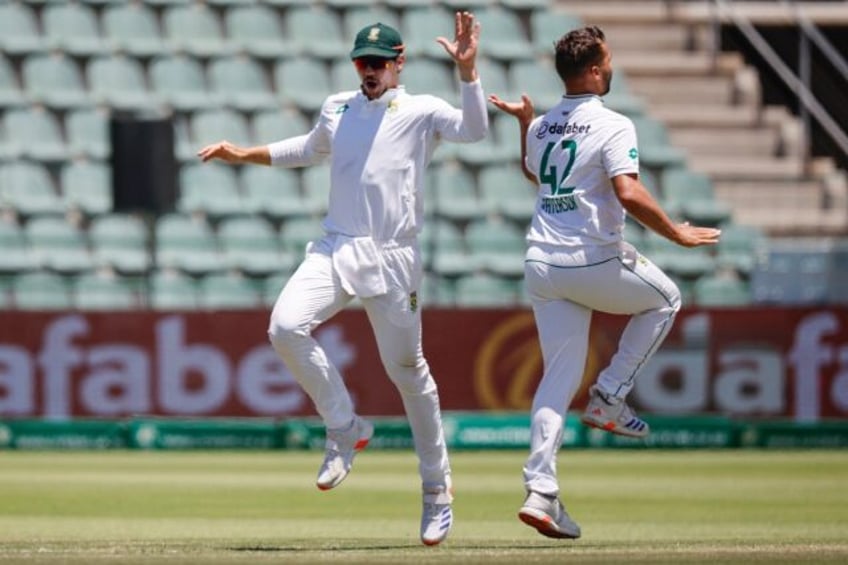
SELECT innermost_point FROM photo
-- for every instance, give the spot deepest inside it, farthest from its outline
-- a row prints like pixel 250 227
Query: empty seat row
pixel 260 30
pixel 184 83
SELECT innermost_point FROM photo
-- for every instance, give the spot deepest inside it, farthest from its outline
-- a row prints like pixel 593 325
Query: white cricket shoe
pixel 548 516
pixel 341 446
pixel 614 416
pixel 437 515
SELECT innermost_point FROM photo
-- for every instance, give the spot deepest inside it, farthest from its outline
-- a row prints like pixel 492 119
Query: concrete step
pixel 751 142
pixel 783 207
pixel 706 116
pixel 744 167
pixel 691 90
pixel 676 64
pixel 616 11
pixel 661 36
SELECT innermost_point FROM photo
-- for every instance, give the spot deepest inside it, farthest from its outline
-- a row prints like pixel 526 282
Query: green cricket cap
pixel 377 40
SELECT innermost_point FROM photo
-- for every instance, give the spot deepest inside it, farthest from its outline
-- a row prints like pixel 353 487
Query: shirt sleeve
pixel 304 150
pixel 466 125
pixel 620 154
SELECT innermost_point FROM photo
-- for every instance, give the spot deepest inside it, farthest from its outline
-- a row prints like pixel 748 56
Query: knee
pixel 282 331
pixel 410 375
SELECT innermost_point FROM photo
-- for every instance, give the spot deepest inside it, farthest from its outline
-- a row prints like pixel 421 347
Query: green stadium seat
pixel 547 26
pixel 303 81
pixel 740 248
pixel 655 149
pixel 482 290
pixel 40 290
pixel 210 126
pixel 257 30
pixel 242 83
pixel 276 125
pixel 506 26
pixel 426 76
pixel 721 291
pixel 273 191
pixel 99 291
pixel 621 99
pixel 250 245
pixel 133 28
pixel 272 286
pixel 687 263
pixel 210 188
pixel 35 134
pixel 365 13
pixel 72 28
pixel 27 189
pixel 419 28
pixel 11 95
pixel 121 242
pixel 195 29
pixel 179 79
pixel 455 194
pixel 537 79
pixel 505 191
pixel 343 77
pixel 296 233
pixel 446 246
pixel 118 81
pixel 16 256
pixel 54 80
pixel 59 245
pixel 497 246
pixel 88 133
pixel 87 187
pixel 228 291
pixel 316 31
pixel 691 194
pixel 634 233
pixel 172 290
pixel 19 33
pixel 187 244
pixel 316 188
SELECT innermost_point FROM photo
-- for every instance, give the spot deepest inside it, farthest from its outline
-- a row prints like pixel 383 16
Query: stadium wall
pixel 784 364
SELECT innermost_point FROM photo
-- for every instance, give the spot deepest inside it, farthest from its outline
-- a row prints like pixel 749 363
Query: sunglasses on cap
pixel 376 63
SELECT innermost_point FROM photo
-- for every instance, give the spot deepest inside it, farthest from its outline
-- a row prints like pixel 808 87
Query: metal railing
pixel 809 106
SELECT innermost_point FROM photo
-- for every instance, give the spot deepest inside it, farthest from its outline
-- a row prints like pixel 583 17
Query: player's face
pixel 377 74
pixel 604 72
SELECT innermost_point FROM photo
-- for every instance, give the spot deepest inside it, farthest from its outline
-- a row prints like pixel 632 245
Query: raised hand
pixel 463 48
pixel 523 110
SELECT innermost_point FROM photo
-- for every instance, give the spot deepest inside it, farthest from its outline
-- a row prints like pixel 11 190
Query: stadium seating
pixel 257 71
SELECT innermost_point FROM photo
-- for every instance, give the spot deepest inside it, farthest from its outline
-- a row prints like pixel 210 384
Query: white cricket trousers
pixel 313 295
pixel 564 289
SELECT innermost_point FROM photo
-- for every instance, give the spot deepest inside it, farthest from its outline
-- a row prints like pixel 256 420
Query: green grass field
pixel 262 506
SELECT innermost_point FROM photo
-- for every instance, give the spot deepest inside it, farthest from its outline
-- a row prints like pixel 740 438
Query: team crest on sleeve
pixel 342 109
pixel 413 301
pixel 634 153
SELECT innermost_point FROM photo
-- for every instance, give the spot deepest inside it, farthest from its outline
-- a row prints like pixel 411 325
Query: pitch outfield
pixel 240 507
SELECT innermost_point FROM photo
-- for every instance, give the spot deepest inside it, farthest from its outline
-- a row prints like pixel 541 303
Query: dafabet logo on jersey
pixel 557 128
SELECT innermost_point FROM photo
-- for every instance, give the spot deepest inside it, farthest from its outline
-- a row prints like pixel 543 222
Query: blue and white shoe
pixel 613 415
pixel 437 515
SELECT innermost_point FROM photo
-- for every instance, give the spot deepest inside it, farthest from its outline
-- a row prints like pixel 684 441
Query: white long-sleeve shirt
pixel 378 152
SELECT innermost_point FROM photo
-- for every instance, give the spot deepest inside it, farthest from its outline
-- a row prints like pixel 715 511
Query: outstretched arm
pixel 231 153
pixel 463 48
pixel 637 200
pixel 524 113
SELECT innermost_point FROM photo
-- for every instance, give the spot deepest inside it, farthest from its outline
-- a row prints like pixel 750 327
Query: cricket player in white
pixel 379 140
pixel 585 160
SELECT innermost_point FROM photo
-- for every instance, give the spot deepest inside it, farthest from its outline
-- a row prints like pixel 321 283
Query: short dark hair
pixel 577 50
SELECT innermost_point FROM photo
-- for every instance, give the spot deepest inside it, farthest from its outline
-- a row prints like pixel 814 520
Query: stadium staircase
pixel 713 109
